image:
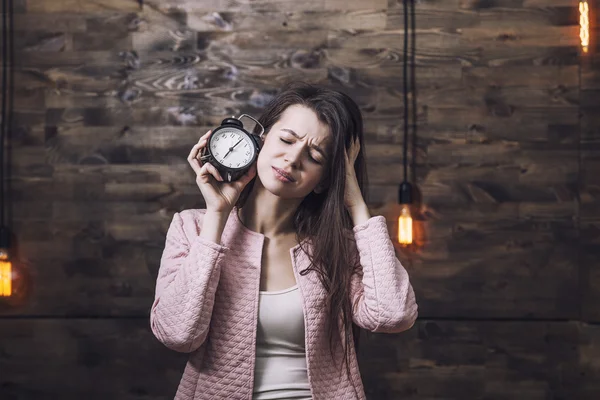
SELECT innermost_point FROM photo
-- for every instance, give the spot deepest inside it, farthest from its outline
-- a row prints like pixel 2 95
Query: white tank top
pixel 280 370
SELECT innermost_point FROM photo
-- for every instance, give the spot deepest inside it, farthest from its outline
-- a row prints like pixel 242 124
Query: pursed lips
pixel 285 174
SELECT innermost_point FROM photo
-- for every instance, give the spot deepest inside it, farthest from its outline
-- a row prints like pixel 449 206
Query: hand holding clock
pixel 218 195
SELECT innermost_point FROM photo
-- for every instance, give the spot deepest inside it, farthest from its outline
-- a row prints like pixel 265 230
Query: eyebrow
pixel 320 150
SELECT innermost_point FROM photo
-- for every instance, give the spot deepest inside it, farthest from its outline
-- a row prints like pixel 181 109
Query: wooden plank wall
pixel 110 96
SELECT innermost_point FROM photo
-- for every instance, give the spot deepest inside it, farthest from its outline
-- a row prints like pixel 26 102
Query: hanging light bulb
pixel 405 226
pixel 405 223
pixel 584 25
pixel 6 270
pixel 5 275
pixel 15 277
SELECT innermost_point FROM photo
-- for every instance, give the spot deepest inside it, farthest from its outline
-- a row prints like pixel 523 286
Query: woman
pixel 264 285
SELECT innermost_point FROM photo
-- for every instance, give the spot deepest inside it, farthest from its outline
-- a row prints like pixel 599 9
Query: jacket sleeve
pixel 382 297
pixel 185 289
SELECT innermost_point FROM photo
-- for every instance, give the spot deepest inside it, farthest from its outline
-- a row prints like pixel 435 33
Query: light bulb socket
pixel 4 237
pixel 405 193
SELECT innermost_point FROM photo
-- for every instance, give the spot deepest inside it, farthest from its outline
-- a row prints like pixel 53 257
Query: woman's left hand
pixel 352 197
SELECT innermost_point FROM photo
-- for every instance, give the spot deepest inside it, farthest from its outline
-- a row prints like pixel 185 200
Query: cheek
pixel 314 176
pixel 263 162
pixel 264 149
pixel 268 152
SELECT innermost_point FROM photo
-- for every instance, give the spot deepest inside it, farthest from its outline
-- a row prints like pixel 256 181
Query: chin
pixel 278 188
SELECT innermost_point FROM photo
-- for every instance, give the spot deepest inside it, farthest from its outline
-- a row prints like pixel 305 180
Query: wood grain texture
pixel 264 5
pixel 81 6
pixel 111 95
pixel 298 21
pixel 104 358
pixel 589 189
pixel 500 360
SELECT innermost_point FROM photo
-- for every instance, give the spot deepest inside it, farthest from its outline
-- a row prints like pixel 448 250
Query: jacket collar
pixel 300 261
pixel 250 232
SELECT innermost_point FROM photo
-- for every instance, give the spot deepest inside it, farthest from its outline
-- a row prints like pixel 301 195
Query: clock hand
pixel 232 147
pixel 237 143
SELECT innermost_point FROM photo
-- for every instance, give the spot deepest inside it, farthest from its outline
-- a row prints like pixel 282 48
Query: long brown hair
pixel 323 217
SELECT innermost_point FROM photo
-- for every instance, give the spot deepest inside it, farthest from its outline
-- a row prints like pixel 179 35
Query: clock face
pixel 232 148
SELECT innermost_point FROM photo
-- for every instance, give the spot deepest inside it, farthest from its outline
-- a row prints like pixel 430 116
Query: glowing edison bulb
pixel 584 25
pixel 5 275
pixel 405 226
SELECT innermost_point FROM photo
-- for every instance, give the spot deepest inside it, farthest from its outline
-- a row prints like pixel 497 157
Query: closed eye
pixel 311 157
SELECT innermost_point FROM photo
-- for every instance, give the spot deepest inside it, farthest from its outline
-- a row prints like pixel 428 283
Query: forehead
pixel 304 121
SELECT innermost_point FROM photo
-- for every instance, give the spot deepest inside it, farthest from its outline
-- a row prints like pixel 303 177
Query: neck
pixel 268 214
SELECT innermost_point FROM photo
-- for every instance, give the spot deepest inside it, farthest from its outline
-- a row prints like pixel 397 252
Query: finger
pixel 206 173
pixel 196 165
pixel 206 135
pixel 196 151
pixel 248 176
pixel 203 139
pixel 193 152
pixel 251 173
pixel 214 172
pixel 353 148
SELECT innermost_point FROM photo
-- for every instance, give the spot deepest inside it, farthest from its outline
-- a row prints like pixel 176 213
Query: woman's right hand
pixel 219 196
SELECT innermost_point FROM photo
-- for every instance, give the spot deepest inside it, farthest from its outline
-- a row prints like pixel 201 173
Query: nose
pixel 294 156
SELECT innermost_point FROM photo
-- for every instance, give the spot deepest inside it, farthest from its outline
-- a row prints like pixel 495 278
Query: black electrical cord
pixel 405 90
pixel 10 125
pixel 4 113
pixel 413 75
pixel 405 189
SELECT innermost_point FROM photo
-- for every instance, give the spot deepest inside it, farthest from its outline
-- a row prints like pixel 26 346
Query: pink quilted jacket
pixel 206 304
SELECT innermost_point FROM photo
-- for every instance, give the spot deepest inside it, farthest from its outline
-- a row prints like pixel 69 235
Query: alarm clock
pixel 231 149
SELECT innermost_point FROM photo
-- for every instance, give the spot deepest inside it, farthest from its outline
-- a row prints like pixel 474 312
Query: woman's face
pixel 292 145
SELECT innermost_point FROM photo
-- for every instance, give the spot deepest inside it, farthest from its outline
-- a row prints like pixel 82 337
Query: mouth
pixel 283 174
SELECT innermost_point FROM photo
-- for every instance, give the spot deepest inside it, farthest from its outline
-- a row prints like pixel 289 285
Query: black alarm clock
pixel 231 149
